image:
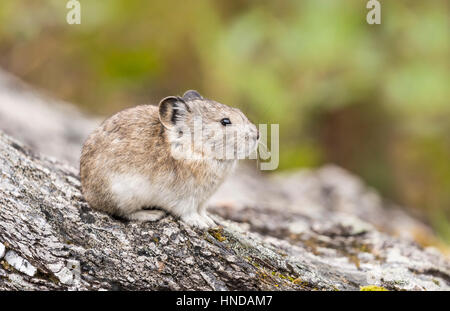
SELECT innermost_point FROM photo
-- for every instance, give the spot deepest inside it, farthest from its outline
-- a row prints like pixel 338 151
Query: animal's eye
pixel 225 121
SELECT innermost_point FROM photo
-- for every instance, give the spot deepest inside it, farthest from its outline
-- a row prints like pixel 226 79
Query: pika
pixel 148 160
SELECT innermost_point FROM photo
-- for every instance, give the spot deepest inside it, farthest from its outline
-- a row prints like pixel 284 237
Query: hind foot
pixel 146 215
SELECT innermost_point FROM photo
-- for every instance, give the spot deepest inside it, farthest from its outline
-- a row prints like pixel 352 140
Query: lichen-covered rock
pixel 57 241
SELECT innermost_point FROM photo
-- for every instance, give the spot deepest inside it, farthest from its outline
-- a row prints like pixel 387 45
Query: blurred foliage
pixel 372 98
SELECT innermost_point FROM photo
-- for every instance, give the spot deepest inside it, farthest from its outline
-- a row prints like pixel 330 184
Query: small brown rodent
pixel 138 158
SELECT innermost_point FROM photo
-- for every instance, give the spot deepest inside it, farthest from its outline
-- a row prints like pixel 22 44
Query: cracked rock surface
pixel 309 230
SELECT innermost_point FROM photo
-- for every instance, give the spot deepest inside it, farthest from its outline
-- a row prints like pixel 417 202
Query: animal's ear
pixel 192 94
pixel 172 110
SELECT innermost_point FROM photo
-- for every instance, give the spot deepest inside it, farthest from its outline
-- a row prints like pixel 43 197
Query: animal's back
pixel 121 143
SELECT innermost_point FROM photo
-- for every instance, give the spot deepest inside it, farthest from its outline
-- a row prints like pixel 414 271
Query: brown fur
pixel 137 141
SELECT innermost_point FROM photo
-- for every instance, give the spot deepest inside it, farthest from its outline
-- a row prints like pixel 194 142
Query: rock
pixel 310 230
pixel 319 199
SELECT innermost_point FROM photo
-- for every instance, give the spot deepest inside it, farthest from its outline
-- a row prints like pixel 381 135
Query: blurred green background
pixel 371 98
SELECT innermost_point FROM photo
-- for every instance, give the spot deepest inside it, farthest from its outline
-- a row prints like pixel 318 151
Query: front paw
pixel 199 221
pixel 211 223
